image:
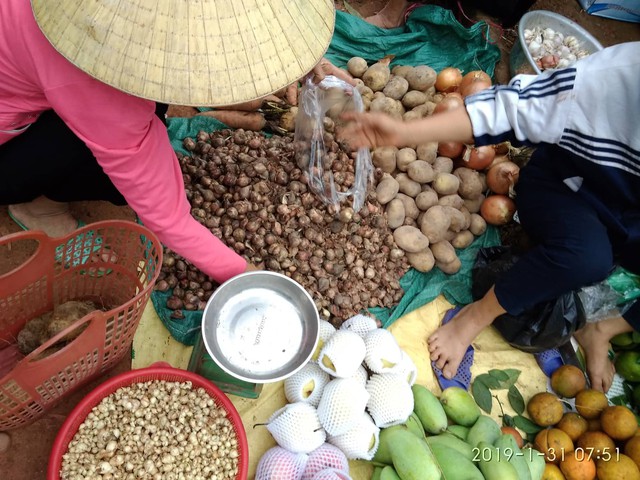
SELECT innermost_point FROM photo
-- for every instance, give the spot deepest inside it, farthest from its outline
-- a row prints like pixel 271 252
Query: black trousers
pixel 49 159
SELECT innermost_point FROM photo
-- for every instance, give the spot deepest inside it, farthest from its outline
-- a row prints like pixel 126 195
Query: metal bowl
pixel 260 327
pixel 521 61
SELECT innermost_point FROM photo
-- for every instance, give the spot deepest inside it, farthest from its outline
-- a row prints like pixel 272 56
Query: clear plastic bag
pixel 319 110
pixel 611 297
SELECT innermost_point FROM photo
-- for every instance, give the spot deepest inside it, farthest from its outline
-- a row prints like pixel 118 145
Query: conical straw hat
pixel 190 52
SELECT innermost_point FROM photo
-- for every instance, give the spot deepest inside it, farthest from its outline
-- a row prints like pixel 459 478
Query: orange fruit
pixel 515 433
pixel 578 465
pixel 573 425
pixel 618 467
pixel 567 381
pixel 590 403
pixel 593 425
pixel 632 449
pixel 545 409
pixel 596 444
pixel 618 422
pixel 554 444
pixel 552 472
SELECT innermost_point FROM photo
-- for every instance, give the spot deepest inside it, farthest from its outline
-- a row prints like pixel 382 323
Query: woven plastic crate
pixel 112 263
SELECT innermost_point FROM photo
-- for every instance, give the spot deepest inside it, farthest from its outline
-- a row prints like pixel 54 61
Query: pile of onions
pixel 478 158
pixel 474 82
pixel 502 176
pixel 497 209
pixel 448 80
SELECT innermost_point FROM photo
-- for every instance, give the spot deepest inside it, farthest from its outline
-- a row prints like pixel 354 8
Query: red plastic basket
pixel 155 372
pixel 73 268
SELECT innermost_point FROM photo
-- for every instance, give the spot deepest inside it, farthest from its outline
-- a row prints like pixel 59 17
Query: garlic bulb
pixel 552 49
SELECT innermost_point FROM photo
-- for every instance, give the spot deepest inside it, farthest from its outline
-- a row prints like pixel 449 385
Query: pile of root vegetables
pixel 426 201
pixel 248 190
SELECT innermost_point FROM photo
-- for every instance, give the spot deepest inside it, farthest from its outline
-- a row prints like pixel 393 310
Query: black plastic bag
pixel 545 326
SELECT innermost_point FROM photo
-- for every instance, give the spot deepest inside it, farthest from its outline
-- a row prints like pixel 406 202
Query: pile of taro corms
pixel 423 205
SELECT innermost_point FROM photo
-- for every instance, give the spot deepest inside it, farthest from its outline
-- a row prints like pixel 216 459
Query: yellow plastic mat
pixel 153 343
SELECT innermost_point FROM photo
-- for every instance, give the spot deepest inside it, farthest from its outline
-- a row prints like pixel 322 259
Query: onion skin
pixel 450 149
pixel 501 177
pixel 497 209
pixel 448 80
pixel 478 158
pixel 499 158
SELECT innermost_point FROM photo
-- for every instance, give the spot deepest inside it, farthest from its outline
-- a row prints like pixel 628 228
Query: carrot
pixel 236 119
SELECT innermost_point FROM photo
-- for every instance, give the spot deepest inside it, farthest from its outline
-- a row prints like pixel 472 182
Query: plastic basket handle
pixel 43 254
pixel 88 318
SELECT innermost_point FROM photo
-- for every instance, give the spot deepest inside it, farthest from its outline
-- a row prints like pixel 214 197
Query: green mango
pixel 452 442
pixel 383 453
pixel 429 410
pixel 628 365
pixel 459 431
pixel 535 461
pixel 454 466
pixel 492 465
pixel 622 340
pixel 414 425
pixel 412 457
pixel 485 429
pixel 388 473
pixel 459 406
pixel 377 471
pixel 509 449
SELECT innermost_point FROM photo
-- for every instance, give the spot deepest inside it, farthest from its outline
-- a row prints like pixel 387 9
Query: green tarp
pixel 432 36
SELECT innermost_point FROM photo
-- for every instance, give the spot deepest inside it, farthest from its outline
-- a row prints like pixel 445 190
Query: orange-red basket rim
pixel 155 372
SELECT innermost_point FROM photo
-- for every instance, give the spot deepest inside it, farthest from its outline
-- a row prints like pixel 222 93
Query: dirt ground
pixel 27 458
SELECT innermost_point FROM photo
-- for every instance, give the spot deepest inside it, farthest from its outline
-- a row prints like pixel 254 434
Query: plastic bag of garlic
pixel 351 398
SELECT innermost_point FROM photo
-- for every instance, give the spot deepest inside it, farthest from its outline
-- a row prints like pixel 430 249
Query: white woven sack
pixel 325 331
pixel 341 405
pixel 323 457
pixel 407 368
pixel 383 352
pixel 360 324
pixel 390 399
pixel 343 354
pixel 332 474
pixel 281 464
pixel 297 428
pixel 361 441
pixel 362 375
pixel 306 385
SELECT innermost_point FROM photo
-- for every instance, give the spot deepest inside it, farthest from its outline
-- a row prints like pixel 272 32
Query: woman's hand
pixel 371 130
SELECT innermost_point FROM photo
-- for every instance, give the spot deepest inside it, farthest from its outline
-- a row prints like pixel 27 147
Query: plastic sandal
pixel 462 378
pixel 549 361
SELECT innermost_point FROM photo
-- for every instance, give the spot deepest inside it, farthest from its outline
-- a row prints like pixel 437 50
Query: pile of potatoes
pixel 431 206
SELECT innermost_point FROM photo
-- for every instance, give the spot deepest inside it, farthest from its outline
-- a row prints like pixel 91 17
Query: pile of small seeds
pixel 252 192
pixel 154 430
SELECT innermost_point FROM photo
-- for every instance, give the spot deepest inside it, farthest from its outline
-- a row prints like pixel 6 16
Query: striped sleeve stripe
pixel 603 154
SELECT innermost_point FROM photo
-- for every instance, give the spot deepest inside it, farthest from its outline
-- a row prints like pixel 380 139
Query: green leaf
pixel 513 373
pixel 526 425
pixel 619 400
pixel 507 421
pixel 515 399
pixel 628 389
pixel 488 380
pixel 482 396
pixel 635 337
pixel 499 375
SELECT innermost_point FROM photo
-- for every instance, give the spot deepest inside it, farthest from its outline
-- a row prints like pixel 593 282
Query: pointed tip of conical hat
pixel 191 52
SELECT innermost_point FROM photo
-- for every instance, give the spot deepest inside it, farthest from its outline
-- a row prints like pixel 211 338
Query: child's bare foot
pixel 391 16
pixel 594 340
pixel 43 214
pixel 449 343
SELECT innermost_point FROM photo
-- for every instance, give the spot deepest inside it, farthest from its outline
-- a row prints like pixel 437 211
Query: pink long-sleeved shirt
pixel 129 142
